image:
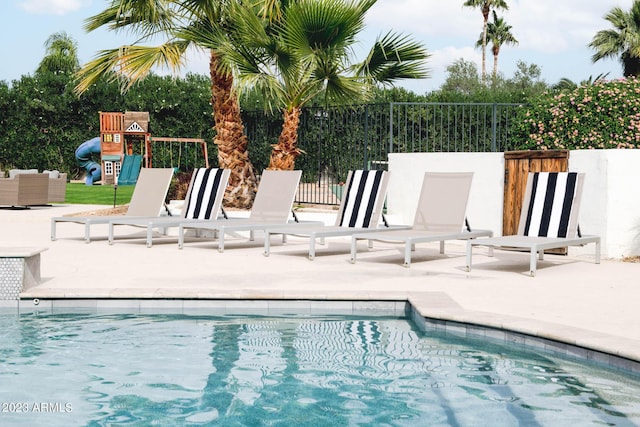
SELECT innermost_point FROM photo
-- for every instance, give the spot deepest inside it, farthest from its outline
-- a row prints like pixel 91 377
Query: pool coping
pixel 430 311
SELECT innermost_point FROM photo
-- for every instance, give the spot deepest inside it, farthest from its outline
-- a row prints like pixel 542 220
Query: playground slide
pixel 83 157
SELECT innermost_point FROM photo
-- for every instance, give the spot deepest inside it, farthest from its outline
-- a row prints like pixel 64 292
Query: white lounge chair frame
pixel 548 220
pixel 272 206
pixel 148 199
pixel 440 216
pixel 203 202
pixel 360 210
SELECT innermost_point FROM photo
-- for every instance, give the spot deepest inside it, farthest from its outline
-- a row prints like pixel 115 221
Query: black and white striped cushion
pixel 552 198
pixel 360 198
pixel 204 190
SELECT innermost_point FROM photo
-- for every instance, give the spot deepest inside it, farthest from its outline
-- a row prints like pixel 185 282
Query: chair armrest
pixel 8 191
pixel 58 188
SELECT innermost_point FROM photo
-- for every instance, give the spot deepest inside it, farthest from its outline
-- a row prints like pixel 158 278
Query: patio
pixel 571 300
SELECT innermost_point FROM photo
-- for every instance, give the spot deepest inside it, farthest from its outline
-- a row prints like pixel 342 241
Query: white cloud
pixel 442 58
pixel 52 7
pixel 545 26
pixel 550 26
pixel 552 33
pixel 435 18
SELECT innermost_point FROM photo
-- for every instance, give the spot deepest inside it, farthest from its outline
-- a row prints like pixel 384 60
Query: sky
pixel 553 34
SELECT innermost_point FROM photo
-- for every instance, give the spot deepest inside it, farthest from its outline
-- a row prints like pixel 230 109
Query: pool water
pixel 177 370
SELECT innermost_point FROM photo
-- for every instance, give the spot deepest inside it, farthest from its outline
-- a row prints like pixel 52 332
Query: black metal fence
pixel 336 140
pixel 451 127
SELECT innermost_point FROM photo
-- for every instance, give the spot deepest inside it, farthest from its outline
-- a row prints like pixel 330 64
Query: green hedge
pixel 42 121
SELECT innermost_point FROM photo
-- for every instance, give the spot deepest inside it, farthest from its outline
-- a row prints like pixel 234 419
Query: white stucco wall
pixel 485 201
pixel 610 200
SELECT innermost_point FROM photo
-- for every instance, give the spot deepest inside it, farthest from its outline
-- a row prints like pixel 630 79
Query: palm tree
pixel 303 54
pixel 172 19
pixel 622 41
pixel 485 7
pixel 61 54
pixel 566 83
pixel 498 33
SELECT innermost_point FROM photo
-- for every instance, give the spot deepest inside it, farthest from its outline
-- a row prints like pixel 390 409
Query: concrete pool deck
pixel 571 300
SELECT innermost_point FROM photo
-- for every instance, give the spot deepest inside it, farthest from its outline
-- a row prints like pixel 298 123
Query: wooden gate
pixel 517 165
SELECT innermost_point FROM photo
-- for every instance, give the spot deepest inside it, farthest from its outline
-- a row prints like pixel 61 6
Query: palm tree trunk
pixel 284 153
pixel 486 8
pixel 231 140
pixel 495 66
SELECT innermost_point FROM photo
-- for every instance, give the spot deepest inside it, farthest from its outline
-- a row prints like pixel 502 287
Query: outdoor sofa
pixel 24 190
pixel 57 184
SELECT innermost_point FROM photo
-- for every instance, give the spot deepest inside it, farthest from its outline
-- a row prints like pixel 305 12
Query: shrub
pixel 605 114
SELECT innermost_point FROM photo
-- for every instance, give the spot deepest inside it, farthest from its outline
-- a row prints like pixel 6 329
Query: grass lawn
pixel 78 193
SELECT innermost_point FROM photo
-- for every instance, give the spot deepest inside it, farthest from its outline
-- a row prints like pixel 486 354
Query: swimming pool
pixel 78 369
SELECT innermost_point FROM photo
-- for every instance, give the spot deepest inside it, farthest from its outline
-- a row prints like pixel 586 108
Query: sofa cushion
pixel 14 172
pixel 52 174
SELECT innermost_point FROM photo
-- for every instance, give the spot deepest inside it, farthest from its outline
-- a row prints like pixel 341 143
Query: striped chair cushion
pixel 205 188
pixel 360 198
pixel 552 198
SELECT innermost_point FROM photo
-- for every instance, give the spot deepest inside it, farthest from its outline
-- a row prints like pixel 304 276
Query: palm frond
pixel 129 64
pixel 143 17
pixel 621 41
pixel 103 65
pixel 310 27
pixel 394 57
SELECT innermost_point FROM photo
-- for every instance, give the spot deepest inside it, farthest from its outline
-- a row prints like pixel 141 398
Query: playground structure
pixel 125 145
pixel 84 155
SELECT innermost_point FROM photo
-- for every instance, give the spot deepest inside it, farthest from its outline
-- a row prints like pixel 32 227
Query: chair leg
pixel 149 236
pixel 87 232
pixel 267 244
pixel 312 246
pixel 180 237
pixel 533 262
pixel 221 241
pixel 442 247
pixel 53 230
pixel 354 249
pixel 408 247
pixel 110 235
pixel 469 250
pixel 598 252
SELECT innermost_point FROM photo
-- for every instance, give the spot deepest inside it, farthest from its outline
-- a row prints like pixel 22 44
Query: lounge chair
pixel 548 220
pixel 360 210
pixel 203 202
pixel 440 216
pixel 272 206
pixel 147 200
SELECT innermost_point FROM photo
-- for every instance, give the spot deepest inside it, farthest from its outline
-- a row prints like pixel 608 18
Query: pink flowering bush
pixel 605 114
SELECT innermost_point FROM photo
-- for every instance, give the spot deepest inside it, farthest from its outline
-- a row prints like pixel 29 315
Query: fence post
pixel 494 120
pixel 390 128
pixel 366 137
